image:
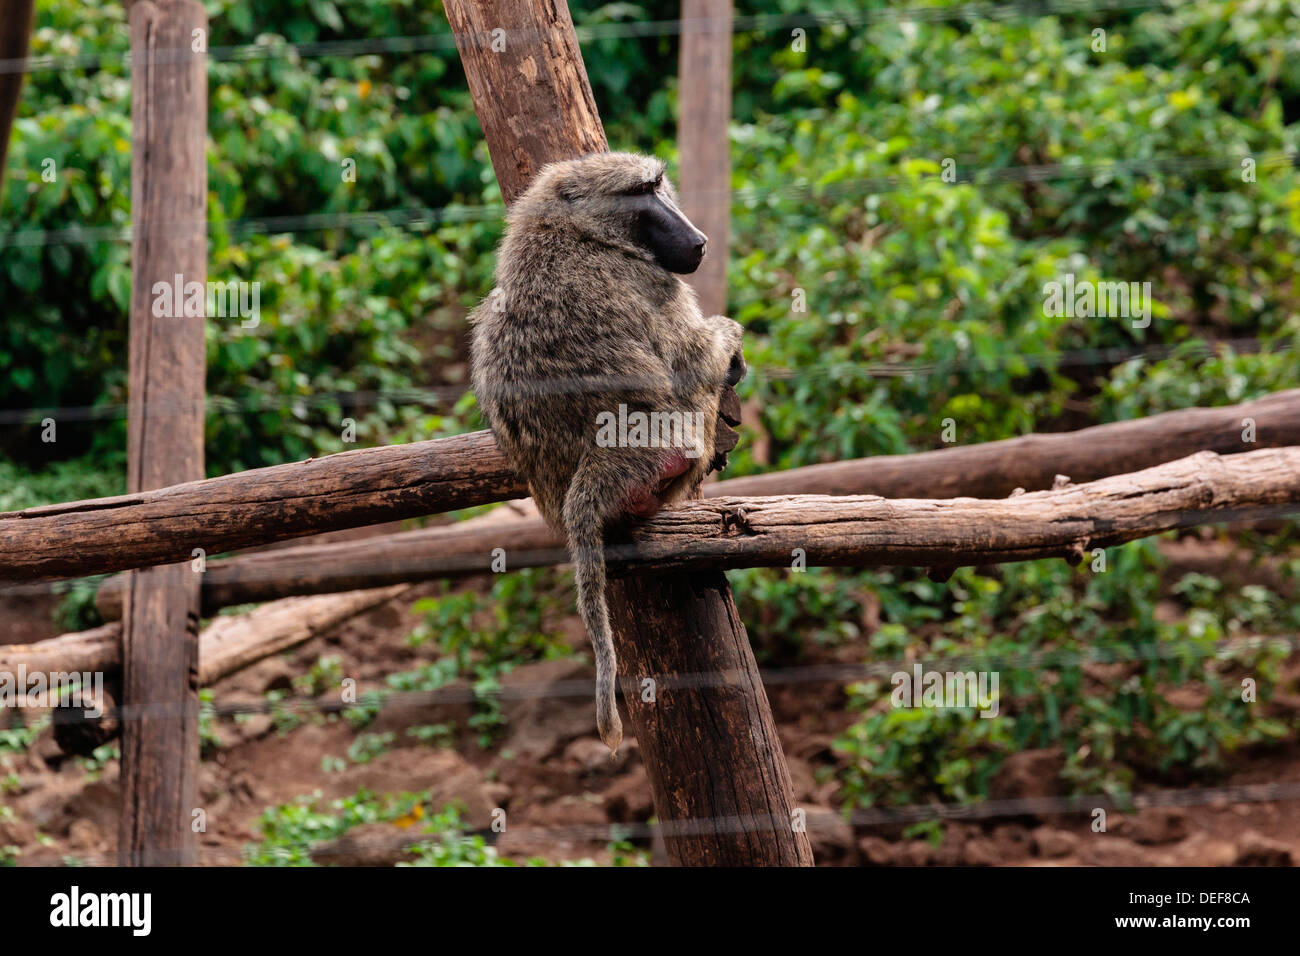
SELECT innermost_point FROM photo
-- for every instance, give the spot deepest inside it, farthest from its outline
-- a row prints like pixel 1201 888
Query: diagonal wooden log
pixel 226 646
pixel 535 106
pixel 994 469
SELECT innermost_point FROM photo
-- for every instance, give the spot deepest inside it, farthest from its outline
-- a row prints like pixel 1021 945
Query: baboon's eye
pixel 645 188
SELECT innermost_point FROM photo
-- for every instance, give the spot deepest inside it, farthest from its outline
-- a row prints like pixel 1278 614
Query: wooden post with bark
pixel 15 35
pixel 720 782
pixel 160 729
pixel 704 112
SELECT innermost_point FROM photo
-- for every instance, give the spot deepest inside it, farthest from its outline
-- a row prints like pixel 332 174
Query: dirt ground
pixel 561 790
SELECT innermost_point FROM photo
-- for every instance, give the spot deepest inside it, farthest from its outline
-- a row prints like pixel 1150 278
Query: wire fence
pixel 356 848
pixel 373 702
pixel 457 214
pixel 446 396
pixel 757 23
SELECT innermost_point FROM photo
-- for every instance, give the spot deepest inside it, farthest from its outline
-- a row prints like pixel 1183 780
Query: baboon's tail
pixel 587 548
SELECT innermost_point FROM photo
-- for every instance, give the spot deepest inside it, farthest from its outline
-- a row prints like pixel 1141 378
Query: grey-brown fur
pixel 583 318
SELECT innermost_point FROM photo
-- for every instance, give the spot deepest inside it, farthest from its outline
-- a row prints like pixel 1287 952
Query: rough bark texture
pixel 704 179
pixel 372 485
pixel 346 490
pixel 15 36
pixel 230 644
pixel 721 786
pixel 995 469
pixel 466 548
pixel 535 105
pixel 408 556
pixel 842 530
pixel 529 85
pixel 160 751
pixel 866 531
pixel 99 649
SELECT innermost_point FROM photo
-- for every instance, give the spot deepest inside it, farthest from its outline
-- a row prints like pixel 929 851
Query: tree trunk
pixel 536 106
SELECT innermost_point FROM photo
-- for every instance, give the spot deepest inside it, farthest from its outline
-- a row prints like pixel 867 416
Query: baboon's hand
pixel 736 369
pixel 730 357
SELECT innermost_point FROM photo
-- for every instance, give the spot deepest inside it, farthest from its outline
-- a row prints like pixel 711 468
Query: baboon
pixel 589 324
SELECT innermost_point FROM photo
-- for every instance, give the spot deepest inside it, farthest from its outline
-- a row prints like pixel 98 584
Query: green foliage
pixel 366 747
pixel 16 740
pixel 323 676
pixel 483 637
pixel 291 830
pixel 1085 663
pixel 786 613
pixel 924 305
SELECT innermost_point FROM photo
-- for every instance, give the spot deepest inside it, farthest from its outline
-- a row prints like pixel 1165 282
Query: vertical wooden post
pixel 720 782
pixel 15 34
pixel 160 739
pixel 704 112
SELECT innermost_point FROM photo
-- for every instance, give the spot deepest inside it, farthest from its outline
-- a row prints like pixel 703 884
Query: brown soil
pixel 554 778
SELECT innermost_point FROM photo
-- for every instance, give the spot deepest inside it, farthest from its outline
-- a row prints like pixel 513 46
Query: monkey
pixel 590 323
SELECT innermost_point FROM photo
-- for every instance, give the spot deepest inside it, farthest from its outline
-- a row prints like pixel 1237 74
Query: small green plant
pixel 363 713
pixel 483 638
pixel 285 715
pixel 323 676
pixel 332 764
pixel 366 747
pixel 209 738
pixel 99 758
pixel 290 830
pixel 432 734
pixel 17 739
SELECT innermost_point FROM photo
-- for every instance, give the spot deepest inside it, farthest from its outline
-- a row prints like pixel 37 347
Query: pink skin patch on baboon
pixel 644 501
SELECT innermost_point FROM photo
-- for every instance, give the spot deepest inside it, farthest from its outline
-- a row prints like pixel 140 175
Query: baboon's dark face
pixel 626 201
pixel 664 229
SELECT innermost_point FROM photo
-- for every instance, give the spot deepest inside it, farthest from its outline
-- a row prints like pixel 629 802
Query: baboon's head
pixel 620 199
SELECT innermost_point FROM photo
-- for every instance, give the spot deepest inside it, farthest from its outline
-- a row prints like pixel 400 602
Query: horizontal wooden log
pixel 857 530
pixel 733 531
pixel 347 490
pixel 444 552
pixel 371 485
pixel 227 645
pixel 991 470
pixel 995 469
pixel 868 531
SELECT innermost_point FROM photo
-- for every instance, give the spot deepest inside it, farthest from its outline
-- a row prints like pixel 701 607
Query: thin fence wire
pixel 812 820
pixel 393 700
pixel 444 396
pixel 445 41
pixel 455 214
